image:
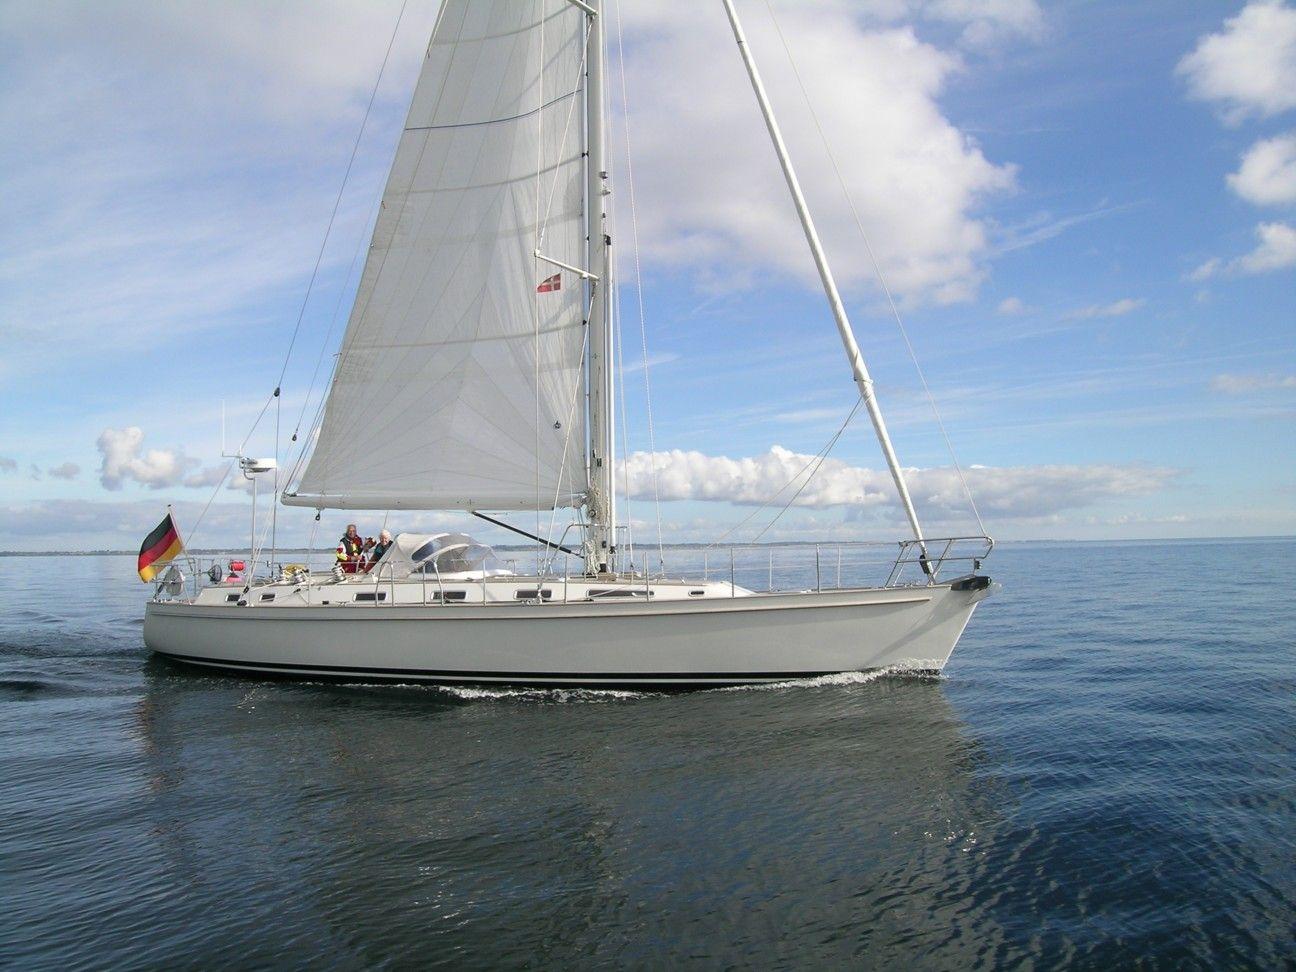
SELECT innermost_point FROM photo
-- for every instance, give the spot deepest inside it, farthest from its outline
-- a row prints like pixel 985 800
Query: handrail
pixel 918 552
pixel 807 566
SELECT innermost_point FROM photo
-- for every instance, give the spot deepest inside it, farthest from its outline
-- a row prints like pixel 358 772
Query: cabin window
pixel 372 596
pixel 450 595
pixel 231 598
pixel 267 597
pixel 531 594
pixel 619 592
pixel 696 593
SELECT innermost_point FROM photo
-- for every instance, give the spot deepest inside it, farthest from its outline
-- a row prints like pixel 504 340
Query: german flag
pixel 159 547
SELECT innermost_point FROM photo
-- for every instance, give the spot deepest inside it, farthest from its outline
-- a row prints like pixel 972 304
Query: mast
pixel 860 371
pixel 600 541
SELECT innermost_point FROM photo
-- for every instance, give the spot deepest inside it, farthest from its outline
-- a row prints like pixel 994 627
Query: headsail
pixel 459 382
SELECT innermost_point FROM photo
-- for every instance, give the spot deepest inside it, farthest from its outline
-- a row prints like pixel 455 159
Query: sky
pixel 1085 213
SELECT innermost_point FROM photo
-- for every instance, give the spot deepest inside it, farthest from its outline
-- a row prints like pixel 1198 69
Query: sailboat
pixel 477 373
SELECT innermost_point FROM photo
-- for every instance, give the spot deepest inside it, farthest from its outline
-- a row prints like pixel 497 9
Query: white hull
pixel 722 641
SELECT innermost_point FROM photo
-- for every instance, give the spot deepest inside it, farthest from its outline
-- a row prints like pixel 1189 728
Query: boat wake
pixel 541 695
pixel 556 696
pixel 474 693
pixel 836 679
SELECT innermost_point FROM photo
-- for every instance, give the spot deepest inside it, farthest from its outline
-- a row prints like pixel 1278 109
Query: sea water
pixel 1105 775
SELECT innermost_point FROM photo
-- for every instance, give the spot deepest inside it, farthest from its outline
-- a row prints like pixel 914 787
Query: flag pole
pixel 174 523
pixel 184 547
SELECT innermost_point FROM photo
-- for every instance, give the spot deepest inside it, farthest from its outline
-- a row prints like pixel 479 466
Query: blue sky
pixel 1087 211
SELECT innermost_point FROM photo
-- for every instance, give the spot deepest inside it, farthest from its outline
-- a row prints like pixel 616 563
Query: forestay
pixel 459 384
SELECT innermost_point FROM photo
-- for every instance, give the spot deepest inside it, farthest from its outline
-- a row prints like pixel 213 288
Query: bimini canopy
pixel 438 554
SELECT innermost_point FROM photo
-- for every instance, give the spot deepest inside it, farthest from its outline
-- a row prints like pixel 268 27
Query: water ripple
pixel 1098 781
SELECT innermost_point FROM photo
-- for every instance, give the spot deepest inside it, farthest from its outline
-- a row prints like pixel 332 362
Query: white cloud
pixel 988 21
pixel 183 157
pixel 8 465
pixel 239 483
pixel 798 415
pixel 711 196
pixel 1042 226
pixel 1020 491
pixel 983 23
pixel 209 476
pixel 1276 250
pixel 172 163
pixel 635 362
pixel 124 459
pixel 68 470
pixel 1206 270
pixel 1117 308
pixel 1242 384
pixel 1248 69
pixel 1011 306
pixel 1267 175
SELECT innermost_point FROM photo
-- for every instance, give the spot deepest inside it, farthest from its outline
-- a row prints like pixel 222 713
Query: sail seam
pixel 494 121
pixel 357 312
pixel 473 340
pixel 443 281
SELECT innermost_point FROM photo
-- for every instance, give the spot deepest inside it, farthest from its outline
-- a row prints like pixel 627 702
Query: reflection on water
pixel 1104 776
pixel 620 831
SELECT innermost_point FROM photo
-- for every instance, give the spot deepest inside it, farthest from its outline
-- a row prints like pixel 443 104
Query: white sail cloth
pixel 459 385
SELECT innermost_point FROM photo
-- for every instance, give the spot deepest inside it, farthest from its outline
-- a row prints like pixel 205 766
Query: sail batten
pixel 461 374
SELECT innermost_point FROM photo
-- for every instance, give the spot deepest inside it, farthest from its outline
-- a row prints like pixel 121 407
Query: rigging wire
pixel 625 430
pixel 542 227
pixel 364 236
pixel 228 467
pixel 877 267
pixel 357 418
pixel 535 290
pixel 337 202
pixel 816 460
pixel 823 456
pixel 643 328
pixel 274 502
pixel 310 286
pixel 562 466
pixel 198 522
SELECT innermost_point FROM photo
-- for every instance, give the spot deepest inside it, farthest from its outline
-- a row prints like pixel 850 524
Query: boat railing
pixel 757 567
pixel 197 572
pixel 921 561
pixel 833 565
pixel 771 567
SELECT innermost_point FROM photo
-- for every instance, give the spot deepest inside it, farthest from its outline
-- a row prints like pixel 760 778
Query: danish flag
pixel 549 284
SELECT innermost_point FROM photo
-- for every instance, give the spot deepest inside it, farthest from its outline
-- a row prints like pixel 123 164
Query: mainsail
pixel 460 378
